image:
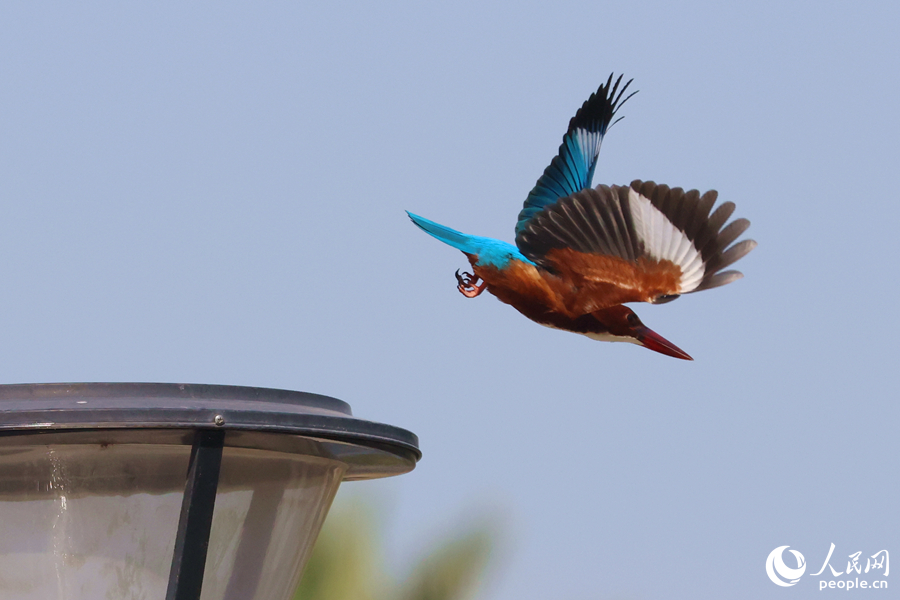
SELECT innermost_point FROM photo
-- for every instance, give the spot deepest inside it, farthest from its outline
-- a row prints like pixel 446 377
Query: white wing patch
pixel 663 241
pixel 589 145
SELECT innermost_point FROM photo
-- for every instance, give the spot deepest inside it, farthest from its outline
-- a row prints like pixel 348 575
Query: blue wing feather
pixel 572 170
pixel 487 250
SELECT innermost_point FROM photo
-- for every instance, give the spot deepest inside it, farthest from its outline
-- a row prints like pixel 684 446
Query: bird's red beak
pixel 652 340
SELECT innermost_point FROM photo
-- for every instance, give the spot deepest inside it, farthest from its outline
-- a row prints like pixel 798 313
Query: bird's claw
pixel 468 284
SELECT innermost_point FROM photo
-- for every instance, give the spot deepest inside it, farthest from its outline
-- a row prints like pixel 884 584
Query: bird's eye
pixel 632 319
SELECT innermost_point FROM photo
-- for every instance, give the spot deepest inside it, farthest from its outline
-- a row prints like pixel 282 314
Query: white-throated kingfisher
pixel 582 252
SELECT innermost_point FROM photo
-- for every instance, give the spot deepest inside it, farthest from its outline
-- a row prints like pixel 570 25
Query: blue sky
pixel 214 193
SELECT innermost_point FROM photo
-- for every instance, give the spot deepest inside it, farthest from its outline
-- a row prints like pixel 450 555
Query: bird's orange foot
pixel 468 284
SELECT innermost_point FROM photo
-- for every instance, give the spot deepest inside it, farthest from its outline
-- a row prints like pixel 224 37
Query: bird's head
pixel 620 324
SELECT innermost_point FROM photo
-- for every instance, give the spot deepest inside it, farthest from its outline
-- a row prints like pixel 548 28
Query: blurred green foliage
pixel 346 563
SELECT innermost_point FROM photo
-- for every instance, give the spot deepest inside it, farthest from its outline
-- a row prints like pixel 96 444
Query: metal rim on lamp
pixel 55 407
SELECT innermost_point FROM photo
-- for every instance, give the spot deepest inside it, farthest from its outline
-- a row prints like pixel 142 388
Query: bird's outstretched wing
pixel 639 243
pixel 572 170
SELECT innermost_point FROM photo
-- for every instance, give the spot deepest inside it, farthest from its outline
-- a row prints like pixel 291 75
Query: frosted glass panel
pixel 269 510
pixel 81 530
pixel 88 521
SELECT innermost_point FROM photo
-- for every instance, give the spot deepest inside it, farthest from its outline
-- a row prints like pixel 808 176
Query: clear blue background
pixel 214 192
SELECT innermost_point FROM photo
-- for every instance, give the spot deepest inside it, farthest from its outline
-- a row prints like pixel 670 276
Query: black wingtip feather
pixel 732 231
pixel 719 279
pixel 730 256
pixel 598 111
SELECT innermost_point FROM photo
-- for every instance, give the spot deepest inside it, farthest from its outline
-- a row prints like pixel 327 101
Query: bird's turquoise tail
pixel 466 243
pixel 489 251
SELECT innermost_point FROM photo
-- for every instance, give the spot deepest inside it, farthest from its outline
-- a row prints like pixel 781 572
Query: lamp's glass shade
pixel 84 520
pixel 269 509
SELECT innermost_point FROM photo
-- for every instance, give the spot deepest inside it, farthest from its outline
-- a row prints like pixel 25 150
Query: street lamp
pixel 146 491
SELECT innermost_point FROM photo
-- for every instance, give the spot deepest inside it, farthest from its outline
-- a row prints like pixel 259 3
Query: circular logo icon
pixel 780 573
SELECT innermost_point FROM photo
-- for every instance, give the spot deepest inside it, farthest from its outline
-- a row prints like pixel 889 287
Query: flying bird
pixel 581 253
